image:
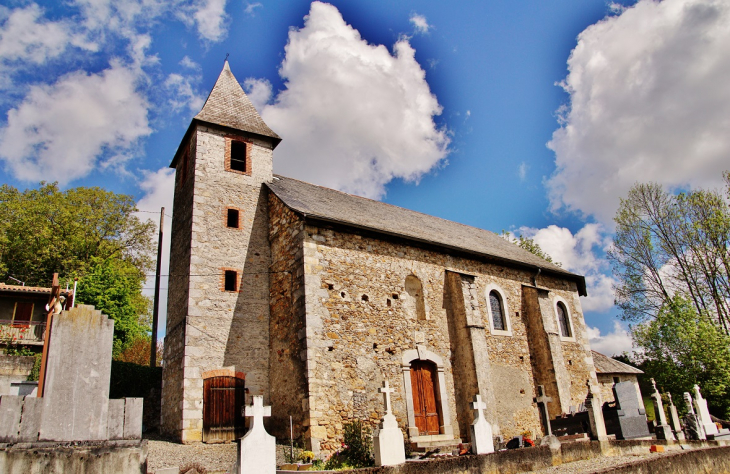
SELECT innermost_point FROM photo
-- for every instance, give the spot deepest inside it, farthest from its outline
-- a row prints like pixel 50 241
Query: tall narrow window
pixel 231 280
pixel 238 156
pixel 563 320
pixel 495 302
pixel 232 218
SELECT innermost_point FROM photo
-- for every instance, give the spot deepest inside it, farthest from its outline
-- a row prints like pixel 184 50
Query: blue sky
pixel 532 116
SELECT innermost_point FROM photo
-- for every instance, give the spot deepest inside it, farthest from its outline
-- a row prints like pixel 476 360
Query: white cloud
pixel 522 170
pixel 613 343
pixel 24 35
pixel 353 116
pixel 259 91
pixel 250 7
pixel 420 24
pixel 159 188
pixel 59 132
pixel 577 253
pixel 649 100
pixel 210 16
pixel 182 93
pixel 188 63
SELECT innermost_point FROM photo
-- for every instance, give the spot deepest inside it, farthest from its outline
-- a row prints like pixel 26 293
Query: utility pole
pixel 156 307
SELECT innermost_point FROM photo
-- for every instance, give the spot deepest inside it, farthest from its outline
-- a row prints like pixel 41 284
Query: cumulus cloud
pixel 353 116
pixel 183 94
pixel 649 100
pixel 210 16
pixel 614 343
pixel 259 91
pixel 580 253
pixel 251 7
pixel 61 131
pixel 420 24
pixel 159 188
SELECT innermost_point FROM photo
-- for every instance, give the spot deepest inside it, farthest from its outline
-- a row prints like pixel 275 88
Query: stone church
pixel 312 298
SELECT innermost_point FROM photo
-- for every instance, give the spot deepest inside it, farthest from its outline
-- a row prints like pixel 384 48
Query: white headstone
pixel 695 431
pixel 674 419
pixel 595 415
pixel 257 450
pixel 662 431
pixel 481 431
pixel 388 442
pixel 703 413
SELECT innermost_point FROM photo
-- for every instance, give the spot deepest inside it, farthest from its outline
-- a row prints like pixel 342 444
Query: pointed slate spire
pixel 229 106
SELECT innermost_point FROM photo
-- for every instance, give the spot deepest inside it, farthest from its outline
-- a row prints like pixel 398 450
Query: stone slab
pixel 115 419
pixel 168 470
pixel 257 449
pixel 388 447
pixel 76 390
pixel 11 406
pixel 133 418
pixel 30 421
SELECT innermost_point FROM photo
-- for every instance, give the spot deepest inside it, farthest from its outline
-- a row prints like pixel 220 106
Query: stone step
pixel 445 446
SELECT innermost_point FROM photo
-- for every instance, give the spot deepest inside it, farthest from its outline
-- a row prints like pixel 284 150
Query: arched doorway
pixel 223 399
pixel 424 388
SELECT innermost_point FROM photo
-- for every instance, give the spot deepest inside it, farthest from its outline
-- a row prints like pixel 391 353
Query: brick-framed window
pixel 232 217
pixel 238 155
pixel 230 280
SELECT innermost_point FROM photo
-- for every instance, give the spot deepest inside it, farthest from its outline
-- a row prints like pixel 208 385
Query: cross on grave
pixel 386 391
pixel 258 411
pixel 482 441
pixel 542 400
pixel 478 405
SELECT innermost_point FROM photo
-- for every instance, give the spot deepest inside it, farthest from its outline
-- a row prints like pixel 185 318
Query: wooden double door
pixel 424 386
pixel 223 400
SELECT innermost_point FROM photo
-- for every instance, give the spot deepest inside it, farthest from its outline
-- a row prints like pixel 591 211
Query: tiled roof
pixel 229 106
pixel 27 289
pixel 607 365
pixel 334 206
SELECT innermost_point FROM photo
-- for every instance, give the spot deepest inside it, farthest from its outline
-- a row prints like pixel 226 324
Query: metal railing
pixel 22 332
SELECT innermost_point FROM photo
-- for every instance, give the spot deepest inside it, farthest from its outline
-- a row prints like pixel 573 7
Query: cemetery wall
pixel 287 328
pixel 362 320
pixel 14 369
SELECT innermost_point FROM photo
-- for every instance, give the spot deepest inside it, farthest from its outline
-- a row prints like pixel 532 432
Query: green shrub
pixel 35 372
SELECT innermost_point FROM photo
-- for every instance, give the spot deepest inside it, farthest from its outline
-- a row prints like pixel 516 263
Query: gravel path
pixel 596 464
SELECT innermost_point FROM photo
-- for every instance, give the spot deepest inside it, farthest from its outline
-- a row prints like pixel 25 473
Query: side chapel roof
pixel 607 365
pixel 328 205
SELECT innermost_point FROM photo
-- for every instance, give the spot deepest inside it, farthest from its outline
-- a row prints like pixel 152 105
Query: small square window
pixel 231 280
pixel 238 156
pixel 232 218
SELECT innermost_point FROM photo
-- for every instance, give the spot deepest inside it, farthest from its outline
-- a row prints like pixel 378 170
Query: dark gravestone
pixel 628 419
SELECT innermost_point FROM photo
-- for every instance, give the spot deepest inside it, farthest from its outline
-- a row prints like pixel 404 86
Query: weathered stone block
pixel 115 421
pixel 30 422
pixel 133 418
pixel 11 407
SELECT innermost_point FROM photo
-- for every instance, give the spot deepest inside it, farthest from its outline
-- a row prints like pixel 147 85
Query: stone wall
pixel 606 383
pixel 359 323
pixel 221 328
pixel 14 369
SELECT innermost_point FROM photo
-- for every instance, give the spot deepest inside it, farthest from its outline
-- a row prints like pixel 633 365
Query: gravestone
pixel 631 416
pixel 76 389
pixel 662 430
pixel 257 450
pixel 388 442
pixel 695 431
pixel 674 420
pixel 703 414
pixel 595 415
pixel 542 400
pixel 481 431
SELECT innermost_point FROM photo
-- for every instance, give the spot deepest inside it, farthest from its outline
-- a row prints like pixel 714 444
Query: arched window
pixel 498 309
pixel 495 303
pixel 563 320
pixel 416 302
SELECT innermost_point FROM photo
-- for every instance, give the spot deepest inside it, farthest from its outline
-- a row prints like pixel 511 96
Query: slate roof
pixel 229 106
pixel 337 207
pixel 606 365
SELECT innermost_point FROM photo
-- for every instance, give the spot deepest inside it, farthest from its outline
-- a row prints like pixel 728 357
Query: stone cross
pixel 703 413
pixel 257 450
pixel 482 441
pixel 674 419
pixel 595 415
pixel 542 400
pixel 662 431
pixel 386 391
pixel 695 431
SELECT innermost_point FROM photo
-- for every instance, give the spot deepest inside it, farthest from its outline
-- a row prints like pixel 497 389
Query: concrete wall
pixel 14 369
pixel 120 457
pixel 220 329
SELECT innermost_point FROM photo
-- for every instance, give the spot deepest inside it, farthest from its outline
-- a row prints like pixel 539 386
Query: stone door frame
pixel 423 354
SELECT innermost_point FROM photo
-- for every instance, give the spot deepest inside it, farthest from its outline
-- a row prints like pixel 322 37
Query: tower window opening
pixel 238 156
pixel 232 218
pixel 231 280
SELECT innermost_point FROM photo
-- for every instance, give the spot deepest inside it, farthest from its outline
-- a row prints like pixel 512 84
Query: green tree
pixel 45 231
pixel 530 245
pixel 681 348
pixel 114 287
pixel 667 245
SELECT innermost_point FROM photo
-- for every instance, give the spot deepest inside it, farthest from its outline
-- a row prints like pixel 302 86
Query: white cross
pixel 478 405
pixel 670 399
pixel 653 384
pixel 386 391
pixel 258 411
